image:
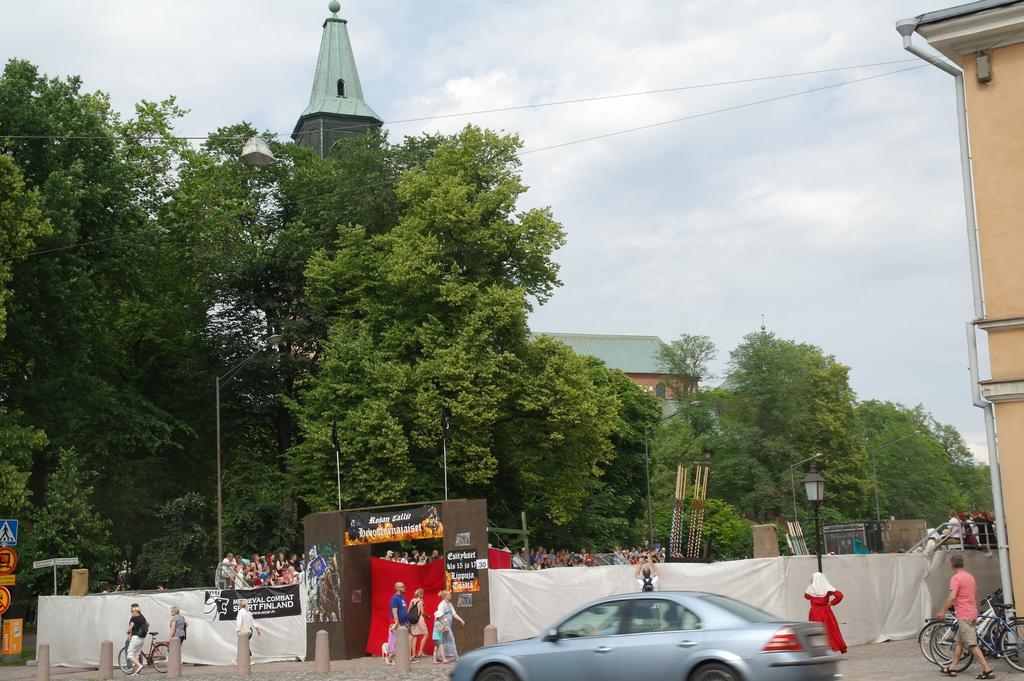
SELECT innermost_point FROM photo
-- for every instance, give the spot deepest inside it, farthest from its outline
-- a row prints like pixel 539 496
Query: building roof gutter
pixel 906 29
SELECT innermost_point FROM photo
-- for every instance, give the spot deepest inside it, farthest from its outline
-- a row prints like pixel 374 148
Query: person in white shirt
pixel 647 575
pixel 954 530
pixel 245 624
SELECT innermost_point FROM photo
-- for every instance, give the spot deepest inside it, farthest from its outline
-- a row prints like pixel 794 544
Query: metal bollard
pixel 490 635
pixel 242 657
pixel 174 658
pixel 402 644
pixel 43 662
pixel 323 653
pixel 106 670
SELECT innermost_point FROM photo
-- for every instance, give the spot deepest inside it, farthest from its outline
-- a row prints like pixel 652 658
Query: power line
pixel 703 114
pixel 519 107
pixel 717 111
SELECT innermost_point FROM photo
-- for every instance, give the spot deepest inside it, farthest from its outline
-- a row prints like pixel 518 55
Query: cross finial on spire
pixel 334 6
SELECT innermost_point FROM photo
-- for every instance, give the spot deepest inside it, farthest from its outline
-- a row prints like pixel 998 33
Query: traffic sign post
pixel 8 563
pixel 8 560
pixel 8 532
pixel 53 563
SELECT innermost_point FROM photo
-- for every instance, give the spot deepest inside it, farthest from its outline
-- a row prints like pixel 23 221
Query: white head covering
pixel 820 586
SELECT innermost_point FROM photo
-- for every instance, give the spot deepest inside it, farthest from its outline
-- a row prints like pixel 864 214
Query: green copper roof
pixel 337 63
pixel 632 354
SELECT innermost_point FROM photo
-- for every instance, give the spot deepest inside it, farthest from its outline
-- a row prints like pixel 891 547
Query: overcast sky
pixel 836 214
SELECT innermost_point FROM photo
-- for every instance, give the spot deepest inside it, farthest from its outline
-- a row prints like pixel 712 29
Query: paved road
pixel 879 662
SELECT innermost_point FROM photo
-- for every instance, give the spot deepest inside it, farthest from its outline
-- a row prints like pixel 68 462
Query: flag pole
pixel 337 456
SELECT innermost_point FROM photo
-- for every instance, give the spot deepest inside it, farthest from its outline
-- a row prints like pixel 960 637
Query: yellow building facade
pixel 985 42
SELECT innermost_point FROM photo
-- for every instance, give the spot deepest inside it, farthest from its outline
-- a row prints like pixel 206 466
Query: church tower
pixel 336 106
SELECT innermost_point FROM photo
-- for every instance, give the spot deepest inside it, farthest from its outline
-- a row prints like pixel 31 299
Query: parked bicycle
pixel 998 637
pixel 156 657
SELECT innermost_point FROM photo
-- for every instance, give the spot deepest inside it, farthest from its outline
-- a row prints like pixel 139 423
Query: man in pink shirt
pixel 963 596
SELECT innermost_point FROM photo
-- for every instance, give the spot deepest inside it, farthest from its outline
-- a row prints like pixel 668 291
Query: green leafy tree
pixel 21 222
pixel 688 357
pixel 174 559
pixel 787 401
pixel 68 523
pixel 431 310
pixel 68 364
pixel 923 467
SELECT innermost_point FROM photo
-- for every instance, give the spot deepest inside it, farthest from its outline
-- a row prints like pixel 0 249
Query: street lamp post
pixel 874 470
pixel 271 341
pixel 647 470
pixel 814 485
pixel 792 481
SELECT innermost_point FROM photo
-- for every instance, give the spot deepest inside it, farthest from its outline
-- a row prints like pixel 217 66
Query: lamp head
pixel 814 485
pixel 256 152
pixel 275 340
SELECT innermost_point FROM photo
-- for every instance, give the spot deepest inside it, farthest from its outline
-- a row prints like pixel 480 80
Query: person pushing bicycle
pixel 963 595
pixel 138 627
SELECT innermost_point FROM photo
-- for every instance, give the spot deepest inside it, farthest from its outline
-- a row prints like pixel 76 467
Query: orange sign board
pixel 8 560
pixel 8 580
pixel 5 599
pixel 10 639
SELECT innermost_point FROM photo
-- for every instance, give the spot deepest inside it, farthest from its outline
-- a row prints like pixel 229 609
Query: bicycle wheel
pixel 122 660
pixel 924 639
pixel 943 642
pixel 1011 644
pixel 158 657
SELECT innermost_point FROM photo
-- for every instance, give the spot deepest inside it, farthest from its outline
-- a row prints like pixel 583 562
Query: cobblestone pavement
pixel 882 661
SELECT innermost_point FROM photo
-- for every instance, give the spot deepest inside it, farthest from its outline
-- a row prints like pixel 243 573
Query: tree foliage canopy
pixel 136 269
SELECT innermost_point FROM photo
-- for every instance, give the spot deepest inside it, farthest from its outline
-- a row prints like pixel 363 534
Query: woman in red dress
pixel 823 596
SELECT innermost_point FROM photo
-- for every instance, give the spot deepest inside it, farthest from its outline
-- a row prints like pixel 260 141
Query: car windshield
pixel 745 612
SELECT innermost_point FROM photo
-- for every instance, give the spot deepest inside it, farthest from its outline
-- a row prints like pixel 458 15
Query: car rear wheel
pixel 495 673
pixel 714 672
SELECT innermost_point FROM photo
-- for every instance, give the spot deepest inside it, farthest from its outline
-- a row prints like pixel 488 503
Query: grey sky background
pixel 837 214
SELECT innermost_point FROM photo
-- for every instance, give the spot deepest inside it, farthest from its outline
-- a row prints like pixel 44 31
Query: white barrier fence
pixel 74 628
pixel 887 596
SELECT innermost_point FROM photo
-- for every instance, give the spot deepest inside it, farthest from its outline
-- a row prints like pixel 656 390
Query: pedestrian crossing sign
pixel 8 532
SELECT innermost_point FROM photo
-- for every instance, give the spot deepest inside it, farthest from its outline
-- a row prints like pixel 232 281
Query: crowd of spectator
pixel 239 572
pixel 417 557
pixel 542 558
pixel 976 528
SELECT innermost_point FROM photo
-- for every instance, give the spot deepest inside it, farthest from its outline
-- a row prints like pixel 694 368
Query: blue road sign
pixel 8 532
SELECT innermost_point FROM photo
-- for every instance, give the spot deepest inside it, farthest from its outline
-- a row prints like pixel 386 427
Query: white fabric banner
pixel 75 627
pixel 886 596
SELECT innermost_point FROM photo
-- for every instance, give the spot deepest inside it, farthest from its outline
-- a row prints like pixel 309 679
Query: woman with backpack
pixel 417 623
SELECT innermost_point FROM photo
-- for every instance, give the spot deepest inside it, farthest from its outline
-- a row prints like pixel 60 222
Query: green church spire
pixel 336 106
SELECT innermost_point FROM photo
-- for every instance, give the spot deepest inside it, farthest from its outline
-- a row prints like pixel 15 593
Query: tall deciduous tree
pixel 788 401
pixel 689 356
pixel 70 501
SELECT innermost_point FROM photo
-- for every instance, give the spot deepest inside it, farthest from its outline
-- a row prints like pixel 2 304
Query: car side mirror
pixel 552 635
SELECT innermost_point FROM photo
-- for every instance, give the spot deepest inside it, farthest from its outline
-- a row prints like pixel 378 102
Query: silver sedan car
pixel 664 635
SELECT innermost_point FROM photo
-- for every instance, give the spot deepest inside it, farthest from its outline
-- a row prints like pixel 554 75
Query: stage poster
pixel 460 568
pixel 393 525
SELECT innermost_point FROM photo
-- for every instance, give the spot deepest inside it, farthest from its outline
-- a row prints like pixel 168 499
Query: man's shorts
pixel 967 633
pixel 134 647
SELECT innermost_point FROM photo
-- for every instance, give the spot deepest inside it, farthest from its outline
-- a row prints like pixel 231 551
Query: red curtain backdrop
pixel 499 559
pixel 383 575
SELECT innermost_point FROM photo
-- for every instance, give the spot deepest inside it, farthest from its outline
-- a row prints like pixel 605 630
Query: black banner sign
pixel 266 601
pixel 460 571
pixel 374 527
